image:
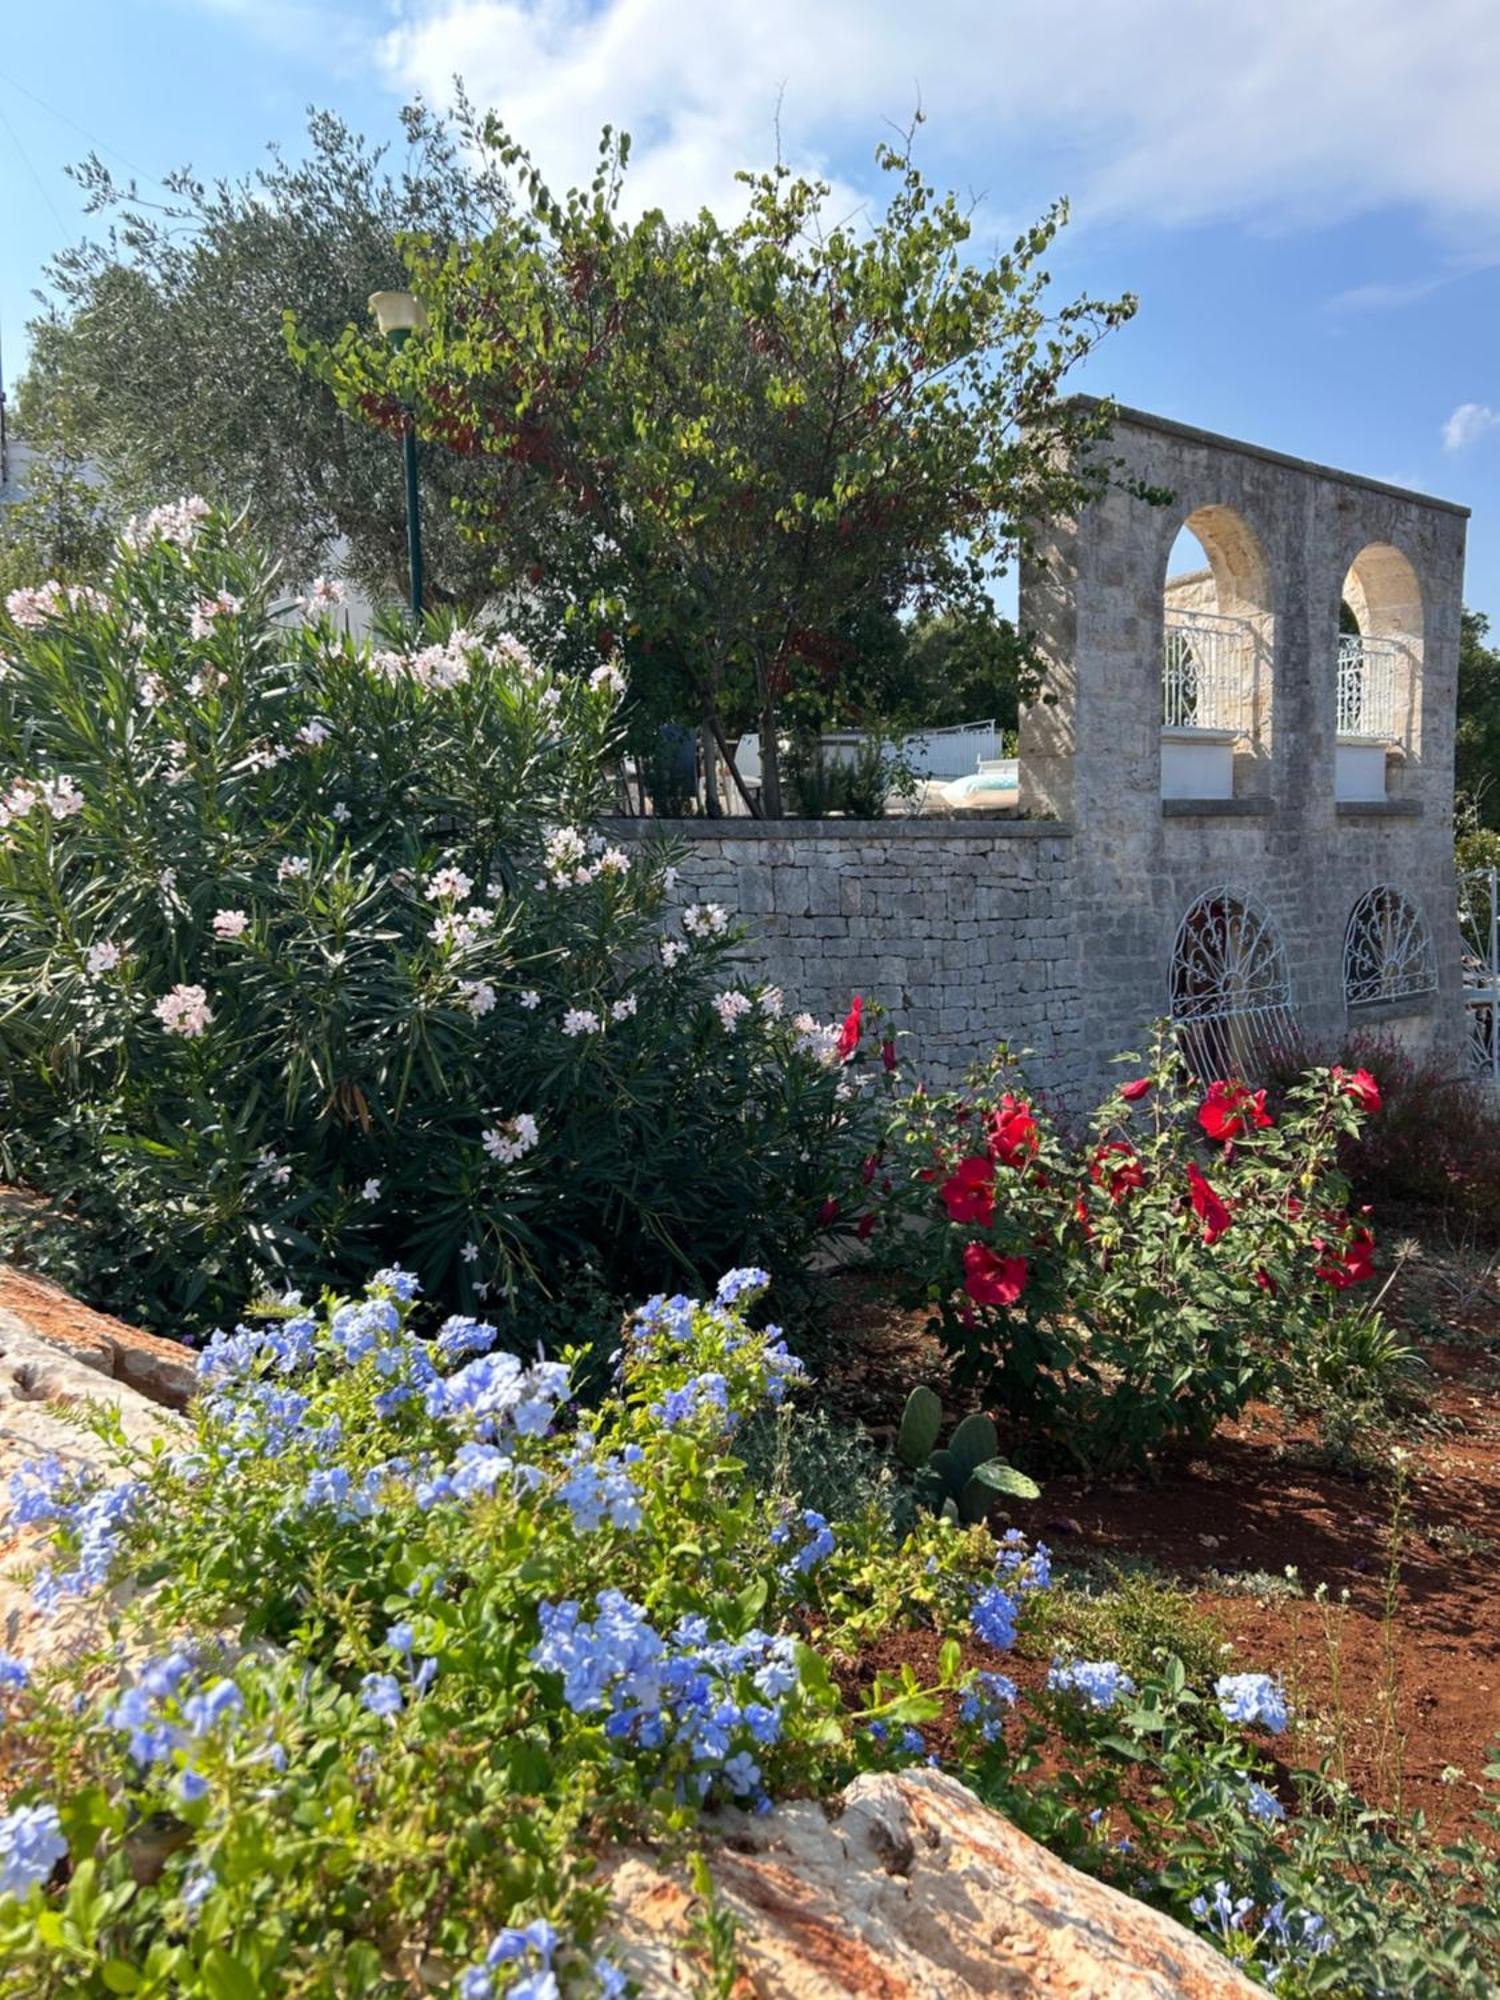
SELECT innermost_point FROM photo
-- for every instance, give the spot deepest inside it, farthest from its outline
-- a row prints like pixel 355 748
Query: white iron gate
pixel 1479 924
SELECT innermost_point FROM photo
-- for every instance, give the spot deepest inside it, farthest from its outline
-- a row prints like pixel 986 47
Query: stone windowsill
pixel 1250 808
pixel 1363 1011
pixel 1378 808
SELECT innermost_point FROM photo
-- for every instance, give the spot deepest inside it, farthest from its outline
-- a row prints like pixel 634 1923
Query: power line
pixel 82 130
pixel 15 139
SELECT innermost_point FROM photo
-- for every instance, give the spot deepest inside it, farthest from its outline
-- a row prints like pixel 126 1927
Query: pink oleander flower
pixel 184 1011
pixel 230 924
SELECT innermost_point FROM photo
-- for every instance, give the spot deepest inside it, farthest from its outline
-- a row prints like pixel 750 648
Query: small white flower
pixel 323 593
pixel 669 879
pixel 167 881
pixel 177 523
pixel 184 1011
pixel 341 812
pixel 530 999
pixel 770 1000
pixel 208 610
pixel 470 1253
pixel 104 956
pixel 477 995
pixel 580 1021
pixel 609 678
pixel 230 924
pixel 623 1009
pixel 730 1008
pixel 671 950
pixel 512 1139
pixel 293 868
pixel 705 920
pixel 274 1168
pixel 448 885
pixel 371 1190
pixel 462 927
pixel 614 861
pixel 311 734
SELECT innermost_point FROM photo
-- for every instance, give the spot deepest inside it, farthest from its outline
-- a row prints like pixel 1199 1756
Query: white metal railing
pixel 1479 927
pixel 1367 686
pixel 1207 662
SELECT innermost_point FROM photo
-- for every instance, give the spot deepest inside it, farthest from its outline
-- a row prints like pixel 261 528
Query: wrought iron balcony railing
pixel 1207 664
pixel 1367 671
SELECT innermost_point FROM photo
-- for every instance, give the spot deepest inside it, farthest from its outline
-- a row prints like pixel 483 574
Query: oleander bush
pixel 1119 1293
pixel 312 957
pixel 399 1638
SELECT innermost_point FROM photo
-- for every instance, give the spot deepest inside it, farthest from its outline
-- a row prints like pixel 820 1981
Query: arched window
pixel 1379 669
pixel 1216 656
pixel 1231 994
pixel 1387 950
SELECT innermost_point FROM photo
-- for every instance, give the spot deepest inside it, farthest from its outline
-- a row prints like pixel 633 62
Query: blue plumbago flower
pixel 742 1774
pixel 818 1546
pixel 879 1733
pixel 1225 1913
pixel 599 1491
pixel 1252 1698
pixel 31 1845
pixel 1021 1569
pixel 426 1674
pixel 1263 1804
pixel 333 1486
pixel 782 1367
pixel 94 1523
pixel 34 1491
pixel 197 1885
pixel 993 1616
pixel 203 1712
pixel 1101 1683
pixel 14 1674
pixel 400 1284
pixel 191 1786
pixel 912 1743
pixel 700 1393
pixel 612 1981
pixel 746 1284
pixel 458 1336
pixel 663 1323
pixel 984 1705
pixel 282 1347
pixel 381 1694
pixel 400 1639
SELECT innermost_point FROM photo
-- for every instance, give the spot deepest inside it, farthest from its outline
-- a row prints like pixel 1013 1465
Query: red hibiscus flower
pixel 1114 1166
pixel 1134 1092
pixel 1230 1109
pixel 1361 1086
pixel 1012 1132
pixel 969 1192
pixel 992 1280
pixel 1207 1206
pixel 849 1034
pixel 1350 1263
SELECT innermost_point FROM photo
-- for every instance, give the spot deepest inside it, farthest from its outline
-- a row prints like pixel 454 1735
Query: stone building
pixel 1236 795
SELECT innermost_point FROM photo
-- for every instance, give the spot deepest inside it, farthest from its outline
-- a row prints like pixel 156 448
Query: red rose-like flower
pixel 1134 1092
pixel 1114 1166
pixel 1012 1132
pixel 1207 1206
pixel 969 1192
pixel 990 1280
pixel 1351 1264
pixel 849 1034
pixel 1230 1109
pixel 1361 1086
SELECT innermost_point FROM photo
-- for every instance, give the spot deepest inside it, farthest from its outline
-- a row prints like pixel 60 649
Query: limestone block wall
pixel 964 933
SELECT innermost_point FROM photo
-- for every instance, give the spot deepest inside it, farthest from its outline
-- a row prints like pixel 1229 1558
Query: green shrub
pixel 1136 1288
pixel 312 956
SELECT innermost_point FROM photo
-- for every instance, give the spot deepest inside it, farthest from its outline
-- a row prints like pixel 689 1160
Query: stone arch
pixel 1217 640
pixel 1380 665
pixel 1229 990
pixel 1388 952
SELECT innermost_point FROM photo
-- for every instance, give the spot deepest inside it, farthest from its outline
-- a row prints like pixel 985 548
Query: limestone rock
pixel 907 1888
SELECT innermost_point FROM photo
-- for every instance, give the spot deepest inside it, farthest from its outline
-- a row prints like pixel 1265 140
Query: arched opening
pixel 1379 673
pixel 1388 951
pixel 1216 659
pixel 1231 994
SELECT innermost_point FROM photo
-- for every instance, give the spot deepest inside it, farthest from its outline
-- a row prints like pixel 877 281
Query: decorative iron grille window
pixel 1387 950
pixel 1231 993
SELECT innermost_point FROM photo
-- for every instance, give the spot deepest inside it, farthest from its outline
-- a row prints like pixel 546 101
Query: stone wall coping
pixel 843 829
pixel 1170 427
pixel 1408 1004
pixel 1255 808
pixel 1379 808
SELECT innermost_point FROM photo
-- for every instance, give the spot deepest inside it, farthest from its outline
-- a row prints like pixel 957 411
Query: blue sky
pixel 1305 195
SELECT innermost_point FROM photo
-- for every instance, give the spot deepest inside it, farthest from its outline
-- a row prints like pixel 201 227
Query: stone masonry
pixel 1056 931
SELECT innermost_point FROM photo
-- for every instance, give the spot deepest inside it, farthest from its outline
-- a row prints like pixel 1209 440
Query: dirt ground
pixel 1407 1707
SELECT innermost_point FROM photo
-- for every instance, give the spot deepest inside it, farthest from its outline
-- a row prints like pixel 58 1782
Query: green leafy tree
pixel 1477 749
pixel 162 351
pixel 717 446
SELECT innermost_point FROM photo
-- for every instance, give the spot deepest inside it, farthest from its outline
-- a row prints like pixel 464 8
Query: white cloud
pixel 1162 110
pixel 1468 424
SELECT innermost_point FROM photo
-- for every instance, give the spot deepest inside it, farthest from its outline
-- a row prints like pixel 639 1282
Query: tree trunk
pixel 770 765
pixel 711 806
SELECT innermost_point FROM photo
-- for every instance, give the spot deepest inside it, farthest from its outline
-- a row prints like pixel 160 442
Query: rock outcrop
pixel 907 1888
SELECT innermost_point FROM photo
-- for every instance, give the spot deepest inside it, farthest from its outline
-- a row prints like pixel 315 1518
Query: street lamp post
pixel 398 315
